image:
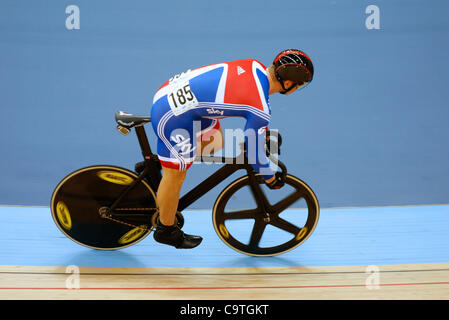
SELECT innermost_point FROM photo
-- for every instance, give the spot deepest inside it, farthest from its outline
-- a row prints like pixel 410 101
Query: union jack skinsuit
pixel 188 106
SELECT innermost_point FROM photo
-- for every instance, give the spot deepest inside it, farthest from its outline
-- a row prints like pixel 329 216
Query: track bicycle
pixel 108 207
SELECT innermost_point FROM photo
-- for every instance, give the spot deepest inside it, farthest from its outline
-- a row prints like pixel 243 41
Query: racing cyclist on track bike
pixel 188 107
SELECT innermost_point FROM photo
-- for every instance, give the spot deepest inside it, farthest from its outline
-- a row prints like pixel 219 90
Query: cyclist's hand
pixel 277 181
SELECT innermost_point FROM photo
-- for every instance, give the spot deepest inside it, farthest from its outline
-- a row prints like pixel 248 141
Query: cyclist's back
pixel 231 89
pixel 241 82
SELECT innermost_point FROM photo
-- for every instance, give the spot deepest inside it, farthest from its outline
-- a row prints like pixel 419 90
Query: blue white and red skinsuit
pixel 202 96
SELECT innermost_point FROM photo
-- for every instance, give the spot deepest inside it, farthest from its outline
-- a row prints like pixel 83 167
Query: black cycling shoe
pixel 175 237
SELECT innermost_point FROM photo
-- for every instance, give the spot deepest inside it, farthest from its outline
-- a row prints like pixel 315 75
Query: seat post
pixel 143 141
pixel 150 159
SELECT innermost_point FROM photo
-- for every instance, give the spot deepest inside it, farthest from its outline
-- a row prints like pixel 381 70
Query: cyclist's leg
pixel 168 194
pixel 176 154
pixel 210 139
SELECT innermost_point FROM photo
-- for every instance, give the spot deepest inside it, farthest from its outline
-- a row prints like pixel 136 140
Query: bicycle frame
pixel 212 181
pixel 124 213
pixel 231 165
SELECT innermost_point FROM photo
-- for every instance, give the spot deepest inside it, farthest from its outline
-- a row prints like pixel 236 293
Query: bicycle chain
pixel 107 216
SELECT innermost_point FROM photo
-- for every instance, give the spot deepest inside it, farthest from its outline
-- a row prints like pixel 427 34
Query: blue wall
pixel 372 128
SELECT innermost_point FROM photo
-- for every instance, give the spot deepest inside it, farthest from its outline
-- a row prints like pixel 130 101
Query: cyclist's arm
pixel 255 135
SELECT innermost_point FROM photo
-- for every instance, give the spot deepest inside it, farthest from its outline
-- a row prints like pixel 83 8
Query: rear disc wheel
pixel 80 207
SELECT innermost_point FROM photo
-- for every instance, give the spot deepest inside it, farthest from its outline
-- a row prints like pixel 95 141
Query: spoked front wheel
pixel 278 221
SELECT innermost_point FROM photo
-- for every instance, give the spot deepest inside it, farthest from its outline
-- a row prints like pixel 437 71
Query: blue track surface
pixel 346 236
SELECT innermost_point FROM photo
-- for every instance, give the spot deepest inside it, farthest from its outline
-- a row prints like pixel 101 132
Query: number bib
pixel 180 98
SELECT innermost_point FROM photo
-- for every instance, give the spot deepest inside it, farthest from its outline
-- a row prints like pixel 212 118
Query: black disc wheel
pixel 81 202
pixel 277 221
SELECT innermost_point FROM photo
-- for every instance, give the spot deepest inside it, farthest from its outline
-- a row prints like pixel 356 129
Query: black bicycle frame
pixel 212 181
pixel 153 173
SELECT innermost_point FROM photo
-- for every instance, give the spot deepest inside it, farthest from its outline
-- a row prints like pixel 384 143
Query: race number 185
pixel 181 98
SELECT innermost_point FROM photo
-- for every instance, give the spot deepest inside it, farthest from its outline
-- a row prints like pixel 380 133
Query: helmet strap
pixel 285 91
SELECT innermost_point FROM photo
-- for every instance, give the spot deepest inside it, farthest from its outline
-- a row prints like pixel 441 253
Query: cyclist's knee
pixel 213 144
pixel 173 175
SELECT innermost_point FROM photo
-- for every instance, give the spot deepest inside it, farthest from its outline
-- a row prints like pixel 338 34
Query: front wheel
pixel 80 207
pixel 277 221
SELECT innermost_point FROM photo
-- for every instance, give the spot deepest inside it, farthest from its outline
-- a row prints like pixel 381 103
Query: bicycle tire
pixel 78 198
pixel 266 215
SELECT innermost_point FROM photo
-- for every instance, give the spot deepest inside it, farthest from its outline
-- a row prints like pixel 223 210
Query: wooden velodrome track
pixel 421 281
pixel 355 253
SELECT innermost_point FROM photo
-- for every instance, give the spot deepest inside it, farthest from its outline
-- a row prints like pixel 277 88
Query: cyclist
pixel 185 115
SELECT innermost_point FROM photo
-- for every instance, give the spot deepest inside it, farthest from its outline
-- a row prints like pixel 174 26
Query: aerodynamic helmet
pixel 294 65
